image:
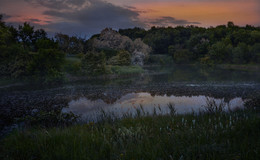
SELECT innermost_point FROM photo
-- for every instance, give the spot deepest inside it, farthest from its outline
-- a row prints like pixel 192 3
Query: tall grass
pixel 218 135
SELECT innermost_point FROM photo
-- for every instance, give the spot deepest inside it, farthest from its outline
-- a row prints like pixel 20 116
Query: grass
pixel 9 81
pixel 124 70
pixel 242 67
pixel 218 135
pixel 72 65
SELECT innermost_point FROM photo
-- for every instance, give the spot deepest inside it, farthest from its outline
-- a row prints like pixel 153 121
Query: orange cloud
pixel 21 11
pixel 207 13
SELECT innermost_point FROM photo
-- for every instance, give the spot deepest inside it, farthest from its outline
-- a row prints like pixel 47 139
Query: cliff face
pixel 111 39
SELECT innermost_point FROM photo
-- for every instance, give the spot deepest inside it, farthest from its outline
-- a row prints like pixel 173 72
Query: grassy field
pixel 217 135
pixel 124 70
pixel 72 66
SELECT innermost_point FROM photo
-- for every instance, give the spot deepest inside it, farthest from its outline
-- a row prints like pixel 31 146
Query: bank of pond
pixel 211 134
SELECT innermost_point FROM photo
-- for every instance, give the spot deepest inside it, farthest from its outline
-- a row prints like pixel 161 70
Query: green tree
pixel 220 52
pixel 25 33
pixel 255 53
pixel 199 45
pixel 123 58
pixel 94 63
pixel 241 54
pixel 47 64
pixel 183 56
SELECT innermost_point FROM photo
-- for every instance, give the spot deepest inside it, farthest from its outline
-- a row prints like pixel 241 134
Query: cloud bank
pixel 87 17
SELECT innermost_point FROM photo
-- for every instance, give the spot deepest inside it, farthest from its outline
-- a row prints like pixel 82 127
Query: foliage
pixel 203 136
pixel 220 51
pixel 123 58
pixel 183 56
pixel 94 63
pixel 123 70
pixel 73 64
pixel 70 45
pixel 49 119
pixel 47 62
pixel 221 44
pixel 28 52
pixel 14 61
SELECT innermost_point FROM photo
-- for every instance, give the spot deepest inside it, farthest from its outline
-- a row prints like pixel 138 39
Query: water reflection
pixel 89 110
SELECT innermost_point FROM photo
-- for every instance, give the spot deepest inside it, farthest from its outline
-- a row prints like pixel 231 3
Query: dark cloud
pixel 34 20
pixel 5 16
pixel 87 16
pixel 59 4
pixel 169 21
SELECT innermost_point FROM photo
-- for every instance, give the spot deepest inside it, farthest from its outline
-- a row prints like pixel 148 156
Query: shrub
pixel 182 56
pixel 122 58
pixel 94 63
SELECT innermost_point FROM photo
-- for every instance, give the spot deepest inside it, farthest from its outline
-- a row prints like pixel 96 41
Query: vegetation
pixel 214 134
pixel 223 44
pixel 94 63
pixel 26 52
pixel 126 70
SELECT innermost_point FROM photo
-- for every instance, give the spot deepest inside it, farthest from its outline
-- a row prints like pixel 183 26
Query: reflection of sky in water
pixel 89 109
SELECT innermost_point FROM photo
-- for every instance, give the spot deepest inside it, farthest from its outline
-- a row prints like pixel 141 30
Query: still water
pixel 127 104
pixel 184 86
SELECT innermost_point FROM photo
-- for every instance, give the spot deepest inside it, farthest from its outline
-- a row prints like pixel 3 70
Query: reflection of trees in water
pixel 19 104
pixel 191 73
pixel 226 92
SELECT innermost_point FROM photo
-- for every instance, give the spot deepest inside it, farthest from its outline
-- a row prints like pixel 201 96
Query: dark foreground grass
pixel 232 135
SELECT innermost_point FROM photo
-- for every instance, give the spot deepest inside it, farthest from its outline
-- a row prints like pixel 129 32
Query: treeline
pixel 222 44
pixel 28 52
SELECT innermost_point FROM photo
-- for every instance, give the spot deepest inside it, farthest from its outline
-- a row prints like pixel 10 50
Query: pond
pixel 146 103
pixel 184 86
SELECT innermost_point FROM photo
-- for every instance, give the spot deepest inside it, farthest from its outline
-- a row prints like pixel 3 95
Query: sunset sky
pixel 87 17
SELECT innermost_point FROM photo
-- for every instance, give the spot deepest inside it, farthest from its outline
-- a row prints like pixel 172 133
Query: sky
pixel 88 17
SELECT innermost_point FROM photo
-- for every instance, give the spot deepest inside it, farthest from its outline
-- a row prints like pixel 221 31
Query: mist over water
pixel 184 86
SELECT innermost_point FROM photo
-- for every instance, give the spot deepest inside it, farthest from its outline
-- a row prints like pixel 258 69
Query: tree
pixel 230 24
pixel 241 54
pixel 63 40
pixel 199 45
pixel 94 63
pixel 123 58
pixel 25 33
pixel 183 56
pixel 220 52
pixel 255 53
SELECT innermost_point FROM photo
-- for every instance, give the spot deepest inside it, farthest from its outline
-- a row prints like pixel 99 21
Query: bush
pixel 123 58
pixel 183 56
pixel 47 62
pixel 220 52
pixel 94 63
pixel 126 69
